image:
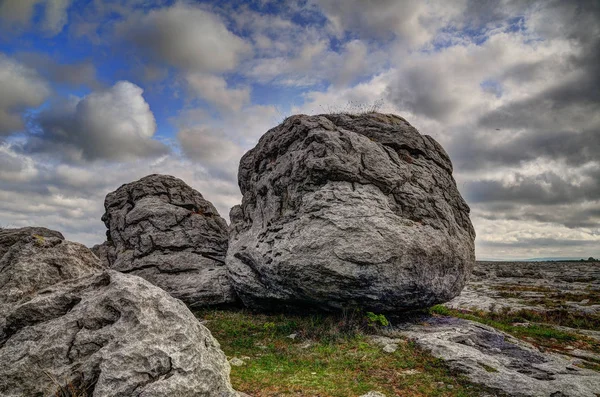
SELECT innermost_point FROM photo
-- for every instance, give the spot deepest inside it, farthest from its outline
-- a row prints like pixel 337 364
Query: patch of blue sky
pixel 492 86
pixel 281 96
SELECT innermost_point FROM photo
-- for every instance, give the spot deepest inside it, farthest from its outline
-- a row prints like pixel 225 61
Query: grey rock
pixel 236 362
pixel 105 252
pixel 33 258
pixel 164 231
pixel 341 211
pixel 498 361
pixel 103 332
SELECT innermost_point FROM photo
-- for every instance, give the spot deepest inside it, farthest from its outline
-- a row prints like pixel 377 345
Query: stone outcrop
pixel 500 362
pixel 33 258
pixel 164 231
pixel 341 210
pixel 76 326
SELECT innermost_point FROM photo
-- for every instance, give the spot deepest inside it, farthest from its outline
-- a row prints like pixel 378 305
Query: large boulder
pixel 161 229
pixel 77 327
pixel 348 211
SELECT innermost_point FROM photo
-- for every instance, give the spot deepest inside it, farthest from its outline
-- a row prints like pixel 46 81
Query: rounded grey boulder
pixel 346 211
pixel 162 230
pixel 77 328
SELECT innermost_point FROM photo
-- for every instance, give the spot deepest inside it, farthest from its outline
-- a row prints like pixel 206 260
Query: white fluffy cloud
pixel 113 124
pixel 22 88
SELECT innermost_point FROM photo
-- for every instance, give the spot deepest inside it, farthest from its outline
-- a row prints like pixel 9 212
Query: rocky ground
pixel 520 328
pixel 540 286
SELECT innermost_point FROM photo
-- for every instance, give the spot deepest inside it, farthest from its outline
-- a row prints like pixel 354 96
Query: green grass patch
pixel 331 355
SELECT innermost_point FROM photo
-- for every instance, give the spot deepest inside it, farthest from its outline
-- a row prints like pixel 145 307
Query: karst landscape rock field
pixel 348 269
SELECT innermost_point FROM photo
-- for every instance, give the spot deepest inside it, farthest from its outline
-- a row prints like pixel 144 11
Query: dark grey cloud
pixel 22 88
pixel 71 74
pixel 19 14
pixel 544 188
pixel 542 243
pixel 184 36
pixel 114 124
pixel 573 216
pixel 560 122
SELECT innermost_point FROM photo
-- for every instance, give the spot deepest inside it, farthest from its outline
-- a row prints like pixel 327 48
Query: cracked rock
pixel 67 321
pixel 348 210
pixel 162 230
pixel 498 361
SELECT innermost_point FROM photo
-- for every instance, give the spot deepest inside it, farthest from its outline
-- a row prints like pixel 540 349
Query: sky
pixel 97 93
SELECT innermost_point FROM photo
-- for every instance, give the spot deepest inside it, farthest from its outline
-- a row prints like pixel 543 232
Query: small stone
pixel 410 372
pixel 392 347
pixel 495 350
pixel 306 344
pixel 584 302
pixel 292 336
pixel 236 362
pixel 373 394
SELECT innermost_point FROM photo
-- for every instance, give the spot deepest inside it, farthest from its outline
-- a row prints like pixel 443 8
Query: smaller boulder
pixel 162 230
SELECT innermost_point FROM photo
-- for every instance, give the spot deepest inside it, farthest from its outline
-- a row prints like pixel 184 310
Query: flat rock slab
pixel 496 360
pixel 162 230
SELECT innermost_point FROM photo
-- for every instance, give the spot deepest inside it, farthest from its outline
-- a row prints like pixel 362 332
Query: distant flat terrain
pixel 573 286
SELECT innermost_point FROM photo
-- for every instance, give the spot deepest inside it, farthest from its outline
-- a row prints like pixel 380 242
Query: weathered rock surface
pixel 101 331
pixel 32 258
pixel 341 210
pixel 161 229
pixel 499 361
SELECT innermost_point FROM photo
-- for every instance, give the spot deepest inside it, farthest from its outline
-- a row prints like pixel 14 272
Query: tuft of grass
pixel 487 367
pixel 330 355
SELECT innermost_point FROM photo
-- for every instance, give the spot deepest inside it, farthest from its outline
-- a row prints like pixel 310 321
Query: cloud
pixel 22 89
pixel 70 197
pixel 184 36
pixel 71 74
pixel 413 22
pixel 215 90
pixel 544 188
pixel 114 124
pixel 219 155
pixel 20 13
